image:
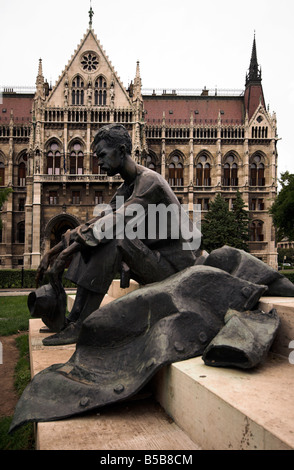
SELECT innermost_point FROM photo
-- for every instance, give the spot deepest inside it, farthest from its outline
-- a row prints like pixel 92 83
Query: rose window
pixel 89 62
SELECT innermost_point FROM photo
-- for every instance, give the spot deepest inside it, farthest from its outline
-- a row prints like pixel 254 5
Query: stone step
pixel 230 409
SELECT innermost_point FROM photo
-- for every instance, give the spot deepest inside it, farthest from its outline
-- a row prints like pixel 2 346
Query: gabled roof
pixel 90 42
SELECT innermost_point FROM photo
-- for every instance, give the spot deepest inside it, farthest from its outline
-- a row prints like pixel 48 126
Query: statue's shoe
pixel 69 335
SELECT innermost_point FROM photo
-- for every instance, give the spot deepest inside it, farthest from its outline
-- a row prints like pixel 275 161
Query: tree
pixel 282 209
pixel 241 225
pixel 286 255
pixel 224 227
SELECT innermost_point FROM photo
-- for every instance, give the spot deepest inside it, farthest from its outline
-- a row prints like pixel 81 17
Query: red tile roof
pixel 205 109
pixel 21 104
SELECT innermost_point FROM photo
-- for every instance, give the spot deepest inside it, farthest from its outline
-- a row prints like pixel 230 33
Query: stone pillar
pixel 8 224
pixel 28 223
pixel 191 166
pixel 88 144
pixel 36 228
pixel 163 147
pixel 218 173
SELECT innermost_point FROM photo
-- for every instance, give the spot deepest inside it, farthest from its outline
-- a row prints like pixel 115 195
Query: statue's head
pixel 112 144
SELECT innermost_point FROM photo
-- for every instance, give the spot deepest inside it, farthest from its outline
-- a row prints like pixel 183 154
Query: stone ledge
pixel 228 409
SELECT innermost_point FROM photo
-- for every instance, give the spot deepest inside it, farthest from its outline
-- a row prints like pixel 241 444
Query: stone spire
pixel 40 80
pixel 138 84
pixel 254 72
pixel 91 14
pixel 253 96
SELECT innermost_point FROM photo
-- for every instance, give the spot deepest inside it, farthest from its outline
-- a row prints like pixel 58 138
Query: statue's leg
pixel 146 265
pixel 82 304
pixel 87 303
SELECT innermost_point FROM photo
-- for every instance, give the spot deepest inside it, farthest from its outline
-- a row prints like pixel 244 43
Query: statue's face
pixel 110 159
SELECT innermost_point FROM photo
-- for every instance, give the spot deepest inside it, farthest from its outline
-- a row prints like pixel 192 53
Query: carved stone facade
pixel 204 144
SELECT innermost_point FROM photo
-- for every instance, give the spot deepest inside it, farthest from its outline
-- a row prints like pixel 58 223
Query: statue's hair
pixel 114 135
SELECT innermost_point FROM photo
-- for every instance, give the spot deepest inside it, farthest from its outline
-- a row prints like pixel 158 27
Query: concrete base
pixel 211 408
pixel 226 409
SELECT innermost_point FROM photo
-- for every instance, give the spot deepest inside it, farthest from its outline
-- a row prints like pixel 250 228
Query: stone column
pixel 36 228
pixel 28 223
pixel 163 146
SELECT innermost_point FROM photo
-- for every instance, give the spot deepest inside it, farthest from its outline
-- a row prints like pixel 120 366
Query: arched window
pixel 150 163
pixel 234 175
pixel 76 160
pixel 257 177
pixel 260 175
pixel 230 171
pixel 256 231
pixel 203 172
pixel 175 174
pixel 53 159
pixel 2 174
pixel 78 91
pixel 199 174
pixel 20 232
pixel 253 174
pixel 22 170
pixel 100 91
pixel 207 179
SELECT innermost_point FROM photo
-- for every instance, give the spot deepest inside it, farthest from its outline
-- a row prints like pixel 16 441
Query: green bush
pixel 18 278
pixel 289 275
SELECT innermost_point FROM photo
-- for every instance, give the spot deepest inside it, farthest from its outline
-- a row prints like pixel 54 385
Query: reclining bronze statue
pixel 188 305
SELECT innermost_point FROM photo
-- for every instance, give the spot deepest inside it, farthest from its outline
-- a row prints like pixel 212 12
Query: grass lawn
pixel 14 317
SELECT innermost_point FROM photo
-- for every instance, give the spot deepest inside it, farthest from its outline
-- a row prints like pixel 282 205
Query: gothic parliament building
pixel 204 143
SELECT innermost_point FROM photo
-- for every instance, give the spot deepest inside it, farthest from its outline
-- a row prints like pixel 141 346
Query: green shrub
pixel 289 275
pixel 18 279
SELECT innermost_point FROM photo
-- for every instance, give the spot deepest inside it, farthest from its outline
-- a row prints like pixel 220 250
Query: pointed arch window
pixel 78 92
pixel 256 231
pixel 257 169
pixel 53 159
pixel 22 171
pixel 20 232
pixel 2 174
pixel 230 171
pixel 100 91
pixel 76 160
pixel 199 174
pixel 207 179
pixel 150 163
pixel 176 172
pixel 203 172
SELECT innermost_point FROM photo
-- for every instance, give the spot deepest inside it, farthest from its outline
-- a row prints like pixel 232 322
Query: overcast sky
pixel 184 44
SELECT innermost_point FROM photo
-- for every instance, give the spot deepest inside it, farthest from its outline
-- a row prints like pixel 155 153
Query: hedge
pixel 23 278
pixel 290 276
pixel 18 278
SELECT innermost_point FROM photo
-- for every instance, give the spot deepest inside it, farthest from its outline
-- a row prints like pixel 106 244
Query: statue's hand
pixel 84 235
